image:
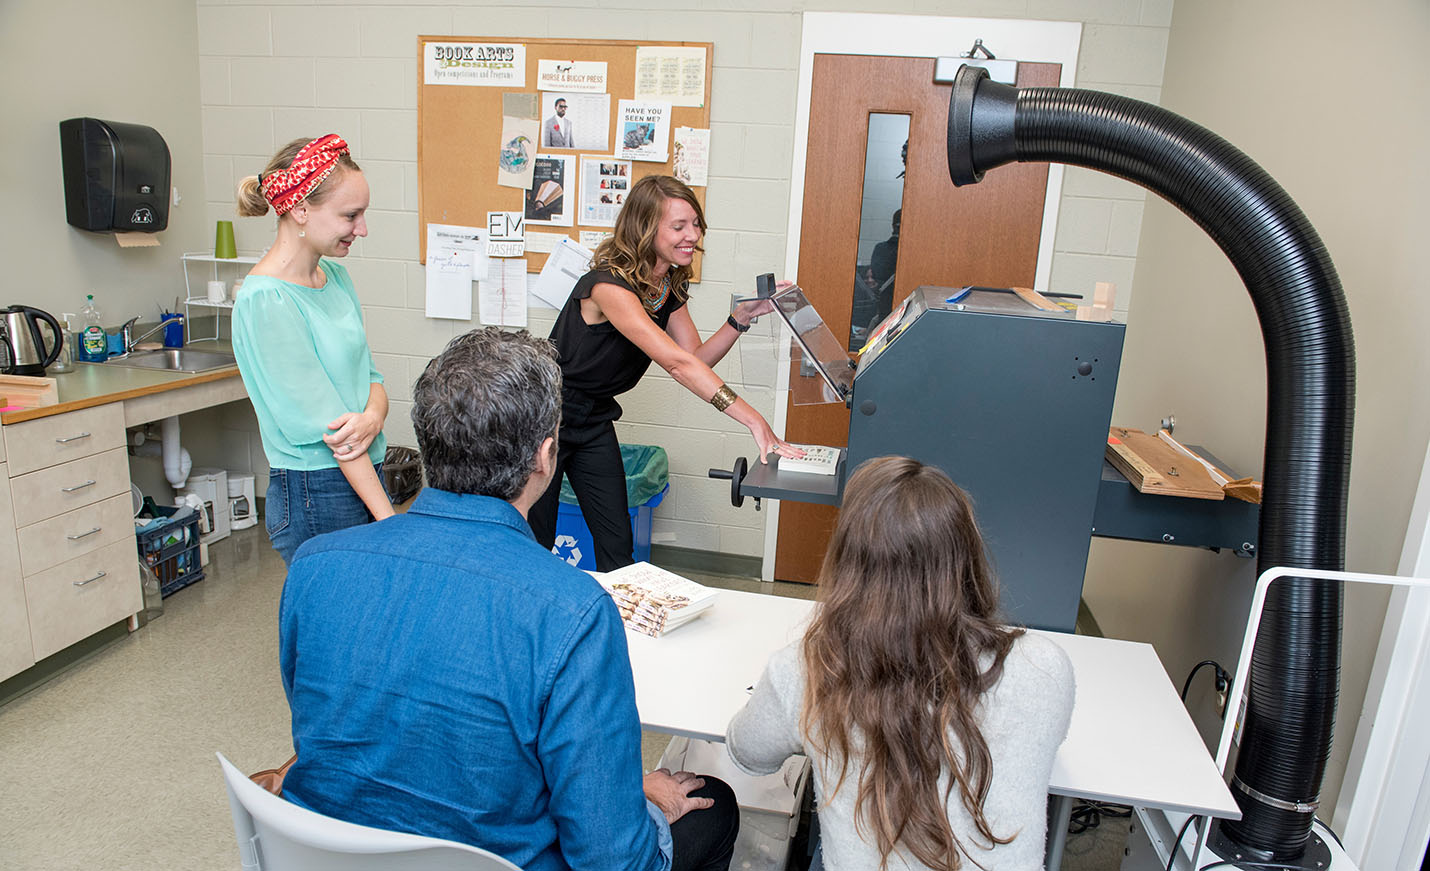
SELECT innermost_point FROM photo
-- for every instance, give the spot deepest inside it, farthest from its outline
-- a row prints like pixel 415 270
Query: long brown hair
pixel 251 201
pixel 905 644
pixel 630 250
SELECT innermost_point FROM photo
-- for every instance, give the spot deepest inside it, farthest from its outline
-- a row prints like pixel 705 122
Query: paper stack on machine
pixel 817 460
pixel 653 601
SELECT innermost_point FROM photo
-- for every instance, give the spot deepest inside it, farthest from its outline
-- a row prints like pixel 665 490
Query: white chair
pixel 277 835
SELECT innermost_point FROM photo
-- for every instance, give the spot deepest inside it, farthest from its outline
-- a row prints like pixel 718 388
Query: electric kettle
pixel 28 352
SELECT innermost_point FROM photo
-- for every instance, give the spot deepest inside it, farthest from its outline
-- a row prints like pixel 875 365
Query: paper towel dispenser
pixel 116 176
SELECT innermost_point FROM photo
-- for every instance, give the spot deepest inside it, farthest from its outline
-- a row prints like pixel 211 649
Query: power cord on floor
pixel 1088 815
pixel 1223 682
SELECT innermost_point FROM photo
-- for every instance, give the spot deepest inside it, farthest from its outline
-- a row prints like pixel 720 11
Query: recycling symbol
pixel 571 556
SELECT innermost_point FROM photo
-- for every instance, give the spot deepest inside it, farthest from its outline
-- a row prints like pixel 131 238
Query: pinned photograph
pixel 574 120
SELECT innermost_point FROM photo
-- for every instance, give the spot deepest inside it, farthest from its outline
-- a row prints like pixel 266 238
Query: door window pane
pixel 879 218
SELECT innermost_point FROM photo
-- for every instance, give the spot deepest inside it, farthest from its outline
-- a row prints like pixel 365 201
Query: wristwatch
pixel 739 327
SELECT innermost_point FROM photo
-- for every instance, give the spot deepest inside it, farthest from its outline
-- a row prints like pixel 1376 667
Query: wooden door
pixel 985 234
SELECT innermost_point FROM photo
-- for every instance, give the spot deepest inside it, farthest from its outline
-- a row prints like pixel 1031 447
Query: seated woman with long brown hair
pixel 931 726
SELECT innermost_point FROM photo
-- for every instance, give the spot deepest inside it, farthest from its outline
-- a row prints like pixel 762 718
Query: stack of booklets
pixel 653 601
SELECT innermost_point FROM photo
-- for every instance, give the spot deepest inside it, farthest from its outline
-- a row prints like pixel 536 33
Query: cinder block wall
pixel 270 72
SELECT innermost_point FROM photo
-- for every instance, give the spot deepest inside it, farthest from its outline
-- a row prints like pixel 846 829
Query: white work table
pixel 1130 740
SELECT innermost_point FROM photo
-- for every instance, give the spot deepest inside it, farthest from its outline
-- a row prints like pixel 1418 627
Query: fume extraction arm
pixel 1310 361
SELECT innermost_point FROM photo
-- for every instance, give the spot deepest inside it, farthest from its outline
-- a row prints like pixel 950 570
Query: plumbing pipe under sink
pixel 177 463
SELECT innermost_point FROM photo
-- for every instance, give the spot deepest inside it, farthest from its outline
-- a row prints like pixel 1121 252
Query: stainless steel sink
pixel 175 360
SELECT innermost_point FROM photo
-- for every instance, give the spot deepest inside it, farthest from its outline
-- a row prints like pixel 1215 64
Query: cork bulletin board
pixel 460 126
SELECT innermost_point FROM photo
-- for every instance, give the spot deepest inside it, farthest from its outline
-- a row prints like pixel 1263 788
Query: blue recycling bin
pixel 647 482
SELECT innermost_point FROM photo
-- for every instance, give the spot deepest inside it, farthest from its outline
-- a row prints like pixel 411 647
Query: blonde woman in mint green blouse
pixel 302 349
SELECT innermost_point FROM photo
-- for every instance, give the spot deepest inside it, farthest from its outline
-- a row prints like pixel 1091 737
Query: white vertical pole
pixel 1382 812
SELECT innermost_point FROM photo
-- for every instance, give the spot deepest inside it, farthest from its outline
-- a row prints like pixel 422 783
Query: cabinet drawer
pixel 48 441
pixel 78 598
pixel 50 542
pixel 53 491
pixel 16 653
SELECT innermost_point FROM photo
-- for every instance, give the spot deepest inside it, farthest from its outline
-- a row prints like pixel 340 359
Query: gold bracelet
pixel 723 398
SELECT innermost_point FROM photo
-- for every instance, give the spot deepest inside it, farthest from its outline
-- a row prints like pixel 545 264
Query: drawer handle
pixel 84 534
pixel 77 487
pixel 90 581
pixel 83 435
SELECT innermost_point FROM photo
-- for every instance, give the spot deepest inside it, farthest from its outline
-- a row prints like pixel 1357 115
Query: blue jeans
pixel 301 505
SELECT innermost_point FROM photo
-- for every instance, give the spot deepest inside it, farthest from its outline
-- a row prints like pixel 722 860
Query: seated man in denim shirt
pixel 450 677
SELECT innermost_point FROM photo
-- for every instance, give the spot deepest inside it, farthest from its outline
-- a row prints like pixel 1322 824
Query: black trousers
pixel 705 839
pixel 590 455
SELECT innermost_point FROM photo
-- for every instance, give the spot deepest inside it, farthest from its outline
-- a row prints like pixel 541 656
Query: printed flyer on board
pixel 486 64
pixel 671 72
pixel 692 156
pixel 546 200
pixel 604 184
pixel 643 130
pixel 588 76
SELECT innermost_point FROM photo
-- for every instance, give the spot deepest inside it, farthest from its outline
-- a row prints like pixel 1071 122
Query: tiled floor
pixel 111 765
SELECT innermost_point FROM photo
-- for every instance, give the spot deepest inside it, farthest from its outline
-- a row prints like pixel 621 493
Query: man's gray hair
pixel 483 407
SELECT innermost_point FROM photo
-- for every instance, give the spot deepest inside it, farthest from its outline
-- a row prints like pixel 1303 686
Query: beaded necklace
pixel 657 301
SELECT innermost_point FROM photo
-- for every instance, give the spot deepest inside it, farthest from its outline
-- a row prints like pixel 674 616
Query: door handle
pixel 83 435
pixel 84 534
pixel 91 580
pixel 77 487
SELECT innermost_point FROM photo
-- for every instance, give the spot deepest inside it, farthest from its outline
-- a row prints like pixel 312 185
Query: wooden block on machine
pixel 1037 300
pixel 1155 467
pixel 28 391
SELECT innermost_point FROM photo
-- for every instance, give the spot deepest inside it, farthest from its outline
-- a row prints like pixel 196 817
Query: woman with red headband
pixel 302 349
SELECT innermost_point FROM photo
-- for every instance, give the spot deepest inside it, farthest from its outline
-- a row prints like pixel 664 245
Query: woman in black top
pixel 628 311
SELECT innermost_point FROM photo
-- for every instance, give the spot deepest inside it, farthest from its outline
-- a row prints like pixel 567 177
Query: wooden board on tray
pixel 1155 467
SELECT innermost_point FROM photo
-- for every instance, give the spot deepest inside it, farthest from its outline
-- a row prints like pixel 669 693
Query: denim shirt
pixel 448 676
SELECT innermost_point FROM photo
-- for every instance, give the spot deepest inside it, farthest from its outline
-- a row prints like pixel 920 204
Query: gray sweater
pixel 1024 718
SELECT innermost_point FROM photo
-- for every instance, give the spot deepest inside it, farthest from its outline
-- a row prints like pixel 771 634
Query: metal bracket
pixel 978 46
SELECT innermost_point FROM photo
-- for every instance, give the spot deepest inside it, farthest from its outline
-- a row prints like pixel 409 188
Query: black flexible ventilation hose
pixel 1310 363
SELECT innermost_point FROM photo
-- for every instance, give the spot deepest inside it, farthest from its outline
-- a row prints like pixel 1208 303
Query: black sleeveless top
pixel 598 363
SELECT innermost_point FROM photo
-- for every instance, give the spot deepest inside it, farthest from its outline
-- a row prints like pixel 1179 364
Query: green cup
pixel 224 246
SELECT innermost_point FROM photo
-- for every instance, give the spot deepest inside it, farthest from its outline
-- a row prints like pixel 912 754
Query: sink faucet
pixel 126 333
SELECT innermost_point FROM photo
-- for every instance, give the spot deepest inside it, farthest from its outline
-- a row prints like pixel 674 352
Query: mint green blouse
pixel 304 359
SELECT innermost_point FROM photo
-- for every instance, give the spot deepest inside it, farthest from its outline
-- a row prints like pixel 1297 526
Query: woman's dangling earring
pixel 301 233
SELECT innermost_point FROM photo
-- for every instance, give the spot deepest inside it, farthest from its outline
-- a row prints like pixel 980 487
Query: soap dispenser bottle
pixel 93 343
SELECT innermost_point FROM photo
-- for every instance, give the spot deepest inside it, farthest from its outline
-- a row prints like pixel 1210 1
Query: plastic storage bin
pixel 169 546
pixel 647 481
pixel 401 473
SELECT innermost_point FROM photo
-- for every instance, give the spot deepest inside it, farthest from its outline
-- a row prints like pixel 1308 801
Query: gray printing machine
pixel 1014 404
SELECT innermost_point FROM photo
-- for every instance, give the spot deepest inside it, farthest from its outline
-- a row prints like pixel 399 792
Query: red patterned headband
pixel 286 188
